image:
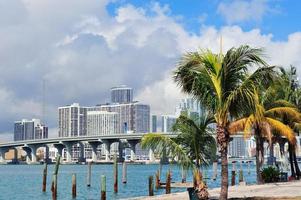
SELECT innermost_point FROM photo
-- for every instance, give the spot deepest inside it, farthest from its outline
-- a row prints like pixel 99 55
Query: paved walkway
pixel 272 190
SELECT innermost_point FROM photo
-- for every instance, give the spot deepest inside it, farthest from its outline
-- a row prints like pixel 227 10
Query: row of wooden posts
pixel 158 183
pixel 103 179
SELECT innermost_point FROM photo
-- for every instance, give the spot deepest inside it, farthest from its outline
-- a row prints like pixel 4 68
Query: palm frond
pixel 282 129
pixel 160 143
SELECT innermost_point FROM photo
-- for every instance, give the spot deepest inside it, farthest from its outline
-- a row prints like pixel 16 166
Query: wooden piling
pixel 73 185
pixel 249 162
pixel 241 175
pixel 124 171
pixel 183 175
pixel 150 186
pixel 103 187
pixel 233 173
pixel 115 174
pixel 89 174
pixel 54 187
pixel 168 182
pixel 214 166
pixel 44 178
pixel 157 180
pixel 54 178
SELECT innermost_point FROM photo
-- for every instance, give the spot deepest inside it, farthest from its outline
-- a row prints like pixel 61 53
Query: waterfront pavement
pixel 284 190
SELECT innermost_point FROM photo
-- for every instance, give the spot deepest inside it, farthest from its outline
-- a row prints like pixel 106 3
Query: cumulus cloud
pixel 236 11
pixel 81 51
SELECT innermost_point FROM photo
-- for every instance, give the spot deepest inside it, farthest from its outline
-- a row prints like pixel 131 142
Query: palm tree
pixel 287 89
pixel 264 121
pixel 193 143
pixel 223 84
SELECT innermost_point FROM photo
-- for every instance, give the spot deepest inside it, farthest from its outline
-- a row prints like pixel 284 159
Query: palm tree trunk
pixel 290 152
pixel 298 173
pixel 259 155
pixel 222 137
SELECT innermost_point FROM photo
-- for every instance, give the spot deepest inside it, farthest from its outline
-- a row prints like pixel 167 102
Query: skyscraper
pixel 154 124
pixel 133 117
pixel 29 130
pixel 72 120
pixel 121 94
pixel 167 122
pixel 102 123
pixel 189 106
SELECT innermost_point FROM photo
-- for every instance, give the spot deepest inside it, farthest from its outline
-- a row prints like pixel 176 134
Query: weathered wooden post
pixel 54 188
pixel 241 175
pixel 249 162
pixel 73 185
pixel 44 177
pixel 54 179
pixel 89 174
pixel 160 170
pixel 103 187
pixel 115 174
pixel 150 186
pixel 233 173
pixel 168 182
pixel 124 172
pixel 183 175
pixel 214 170
pixel 157 180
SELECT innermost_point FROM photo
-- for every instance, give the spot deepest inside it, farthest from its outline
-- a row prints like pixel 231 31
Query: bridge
pixel 60 143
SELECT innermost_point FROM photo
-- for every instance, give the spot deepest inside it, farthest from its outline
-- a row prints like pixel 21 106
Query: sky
pixel 80 49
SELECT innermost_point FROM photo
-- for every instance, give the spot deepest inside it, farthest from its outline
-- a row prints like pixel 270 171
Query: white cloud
pixel 83 52
pixel 236 11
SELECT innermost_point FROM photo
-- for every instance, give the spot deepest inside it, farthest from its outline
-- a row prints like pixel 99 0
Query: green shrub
pixel 270 174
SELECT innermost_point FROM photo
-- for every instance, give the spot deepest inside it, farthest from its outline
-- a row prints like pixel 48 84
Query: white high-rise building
pixel 72 120
pixel 167 122
pixel 102 123
pixel 133 117
pixel 30 130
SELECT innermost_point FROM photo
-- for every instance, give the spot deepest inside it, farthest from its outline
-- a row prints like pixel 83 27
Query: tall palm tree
pixel 223 84
pixel 286 88
pixel 263 122
pixel 193 145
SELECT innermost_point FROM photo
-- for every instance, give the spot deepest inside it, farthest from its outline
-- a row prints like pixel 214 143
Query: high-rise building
pixel 121 94
pixel 133 117
pixel 102 123
pixel 72 120
pixel 30 130
pixel 167 122
pixel 189 106
pixel 154 124
pixel 237 147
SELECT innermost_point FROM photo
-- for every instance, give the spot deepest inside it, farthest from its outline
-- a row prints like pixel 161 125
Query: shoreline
pixel 269 191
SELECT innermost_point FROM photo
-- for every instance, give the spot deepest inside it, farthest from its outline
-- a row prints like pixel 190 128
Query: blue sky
pixel 280 17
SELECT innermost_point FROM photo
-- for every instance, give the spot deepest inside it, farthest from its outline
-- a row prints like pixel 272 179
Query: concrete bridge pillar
pixel 68 146
pixel 28 154
pixel 46 154
pixel 15 159
pixel 33 153
pixel 133 144
pixel 3 150
pixel 81 157
pixel 107 144
pixel 59 147
pixel 120 151
pixel 94 146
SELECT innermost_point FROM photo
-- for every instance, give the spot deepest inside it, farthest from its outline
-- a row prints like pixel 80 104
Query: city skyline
pixel 98 45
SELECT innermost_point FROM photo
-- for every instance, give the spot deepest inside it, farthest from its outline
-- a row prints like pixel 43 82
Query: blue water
pixel 24 182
